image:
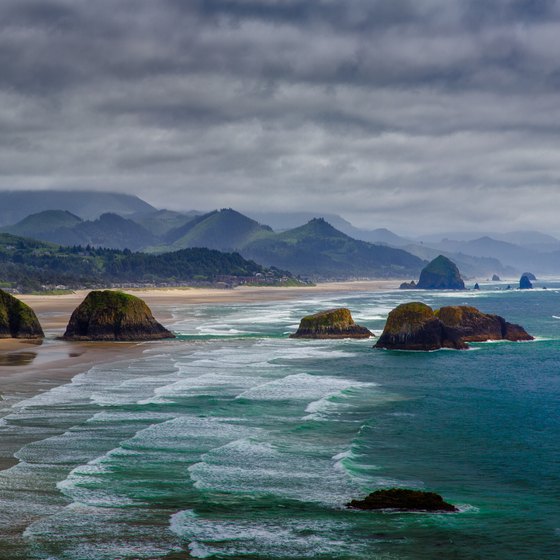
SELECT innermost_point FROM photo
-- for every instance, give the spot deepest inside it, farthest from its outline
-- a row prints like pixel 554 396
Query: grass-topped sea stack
pixel 109 315
pixel 441 274
pixel 334 323
pixel 416 326
pixel 17 320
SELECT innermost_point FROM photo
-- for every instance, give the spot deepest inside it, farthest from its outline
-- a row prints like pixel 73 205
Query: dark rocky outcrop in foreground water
pixel 17 320
pixel 108 315
pixel 441 274
pixel 402 499
pixel 415 326
pixel 525 283
pixel 334 323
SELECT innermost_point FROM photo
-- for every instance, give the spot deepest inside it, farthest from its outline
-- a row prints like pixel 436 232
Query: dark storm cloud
pixel 411 115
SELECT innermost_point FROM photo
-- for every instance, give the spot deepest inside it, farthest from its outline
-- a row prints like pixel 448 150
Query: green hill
pixel 109 230
pixel 318 250
pixel 28 265
pixel 43 222
pixel 162 222
pixel 225 230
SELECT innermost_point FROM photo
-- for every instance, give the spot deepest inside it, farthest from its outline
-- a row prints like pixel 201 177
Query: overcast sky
pixel 417 115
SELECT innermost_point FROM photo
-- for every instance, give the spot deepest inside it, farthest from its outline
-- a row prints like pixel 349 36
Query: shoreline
pixel 30 367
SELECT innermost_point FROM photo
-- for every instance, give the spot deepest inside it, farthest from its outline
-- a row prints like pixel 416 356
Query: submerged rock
pixel 408 285
pixel 525 283
pixel 109 315
pixel 334 323
pixel 17 320
pixel 441 274
pixel 403 499
pixel 415 326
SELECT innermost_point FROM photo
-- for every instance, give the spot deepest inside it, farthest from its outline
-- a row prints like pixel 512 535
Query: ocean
pixel 236 442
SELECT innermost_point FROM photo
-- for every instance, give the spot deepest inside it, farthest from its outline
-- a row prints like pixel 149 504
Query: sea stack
pixel 408 285
pixel 495 278
pixel 525 283
pixel 334 323
pixel 441 274
pixel 17 320
pixel 415 326
pixel 403 499
pixel 114 316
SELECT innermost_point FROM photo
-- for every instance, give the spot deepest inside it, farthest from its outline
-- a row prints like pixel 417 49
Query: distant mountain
pixel 225 230
pixel 88 205
pixel 318 250
pixel 47 221
pixel 109 230
pixel 508 253
pixel 469 266
pixel 160 222
pixel 281 221
pixel 518 237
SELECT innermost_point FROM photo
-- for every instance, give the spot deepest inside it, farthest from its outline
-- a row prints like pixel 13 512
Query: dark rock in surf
pixel 403 499
pixel 525 283
pixel 334 323
pixel 109 315
pixel 441 274
pixel 408 285
pixel 412 326
pixel 495 278
pixel 415 326
pixel 476 287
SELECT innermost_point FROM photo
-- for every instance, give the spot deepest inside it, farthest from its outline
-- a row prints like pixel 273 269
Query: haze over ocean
pixel 237 442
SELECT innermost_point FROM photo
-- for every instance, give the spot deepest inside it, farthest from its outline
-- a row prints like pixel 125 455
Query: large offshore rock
pixel 334 323
pixel 415 326
pixel 412 326
pixel 441 274
pixel 469 324
pixel 403 499
pixel 17 320
pixel 525 283
pixel 109 315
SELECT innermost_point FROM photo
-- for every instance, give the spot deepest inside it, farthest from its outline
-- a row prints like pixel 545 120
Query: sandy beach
pixel 27 367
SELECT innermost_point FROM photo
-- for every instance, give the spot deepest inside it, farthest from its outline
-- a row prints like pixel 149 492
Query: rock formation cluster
pixel 416 326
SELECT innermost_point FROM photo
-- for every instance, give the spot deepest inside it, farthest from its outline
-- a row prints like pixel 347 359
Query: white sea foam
pixel 297 538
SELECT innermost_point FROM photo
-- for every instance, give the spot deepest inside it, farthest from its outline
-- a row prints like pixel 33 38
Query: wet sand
pixel 28 367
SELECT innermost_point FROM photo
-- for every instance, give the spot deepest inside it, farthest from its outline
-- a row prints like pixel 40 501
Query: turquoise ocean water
pixel 236 442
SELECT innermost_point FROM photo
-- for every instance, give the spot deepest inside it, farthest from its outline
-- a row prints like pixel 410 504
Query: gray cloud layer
pixel 418 116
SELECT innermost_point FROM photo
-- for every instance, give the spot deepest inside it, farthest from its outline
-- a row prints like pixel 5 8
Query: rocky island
pixel 403 499
pixel 525 283
pixel 440 274
pixel 334 323
pixel 416 326
pixel 108 315
pixel 17 320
